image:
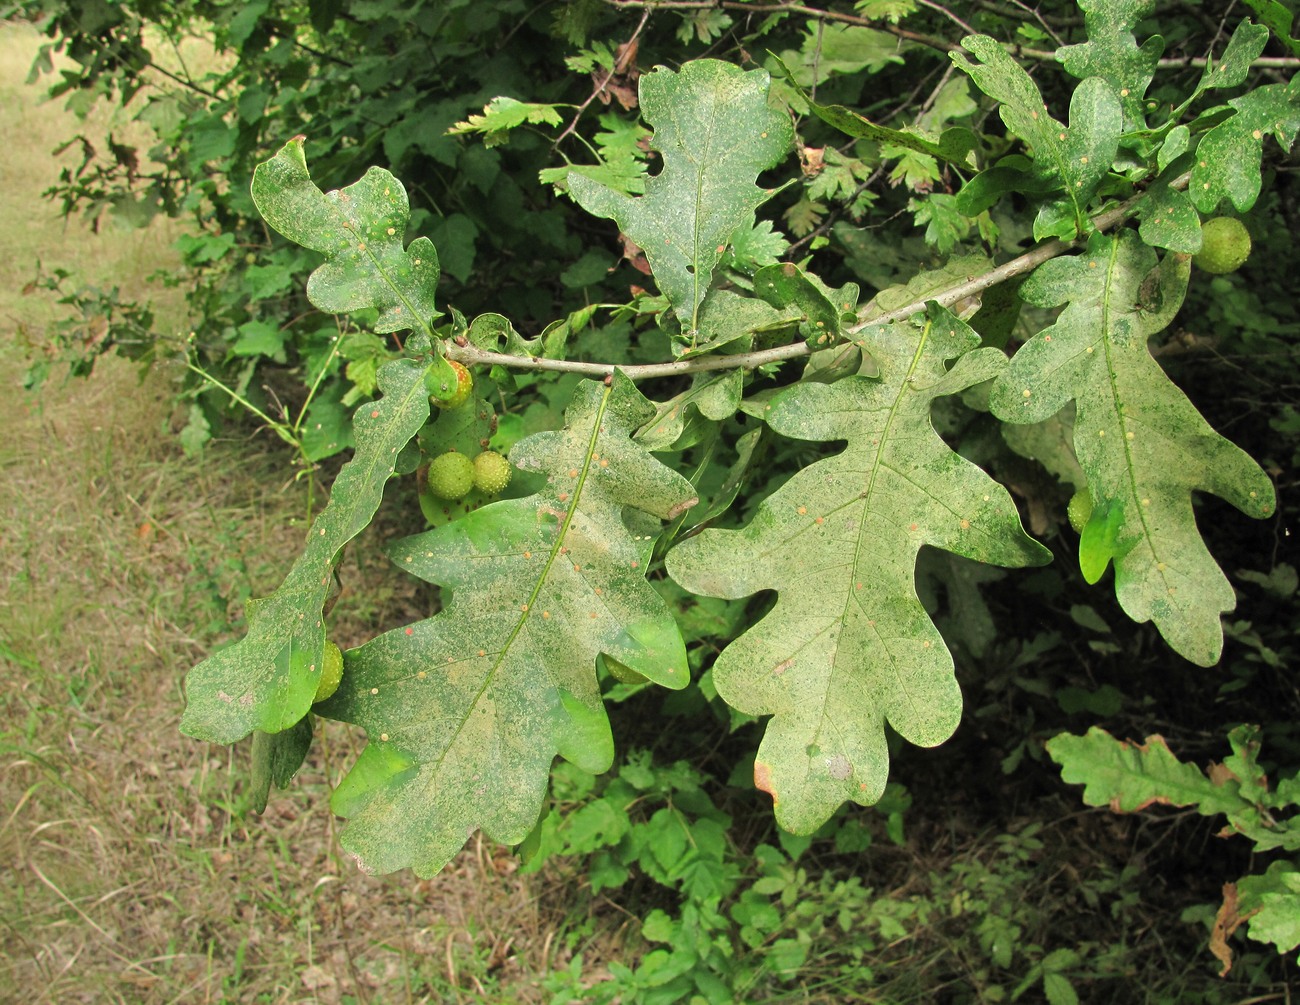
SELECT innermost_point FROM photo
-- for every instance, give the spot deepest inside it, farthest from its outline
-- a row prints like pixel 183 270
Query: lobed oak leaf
pixel 465 710
pixel 849 645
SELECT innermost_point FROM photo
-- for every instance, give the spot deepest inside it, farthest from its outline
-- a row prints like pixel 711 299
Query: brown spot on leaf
pixel 763 780
pixel 681 507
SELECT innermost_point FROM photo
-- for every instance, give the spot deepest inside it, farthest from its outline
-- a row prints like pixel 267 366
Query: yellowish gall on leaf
pixel 331 672
pixel 450 475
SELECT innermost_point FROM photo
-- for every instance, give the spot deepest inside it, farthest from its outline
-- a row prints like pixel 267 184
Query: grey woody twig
pixel 1019 266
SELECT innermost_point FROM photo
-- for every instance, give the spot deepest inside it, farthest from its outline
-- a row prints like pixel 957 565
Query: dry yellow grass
pixel 132 870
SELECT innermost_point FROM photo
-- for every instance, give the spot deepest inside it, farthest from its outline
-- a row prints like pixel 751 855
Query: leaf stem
pixel 1019 266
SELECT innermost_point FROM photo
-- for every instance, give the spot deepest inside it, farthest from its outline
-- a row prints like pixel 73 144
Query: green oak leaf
pixel 1277 17
pixel 1233 67
pixel 1229 156
pixel 1113 54
pixel 731 322
pixel 1272 900
pixel 1141 443
pixel 1129 777
pixel 1175 144
pixel 465 711
pixel 495 333
pixel 823 312
pixel 360 230
pixel 954 145
pixel 276 759
pixel 682 420
pixel 267 679
pixel 849 645
pixel 1078 157
pixel 716 131
pixel 1169 219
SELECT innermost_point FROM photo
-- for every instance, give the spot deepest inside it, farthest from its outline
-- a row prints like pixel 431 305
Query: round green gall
pixel 1225 246
pixel 450 475
pixel 464 387
pixel 491 472
pixel 331 672
pixel 1079 510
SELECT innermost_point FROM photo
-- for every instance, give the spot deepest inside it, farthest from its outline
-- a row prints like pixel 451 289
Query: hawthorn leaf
pixel 716 130
pixel 267 679
pixel 1077 157
pixel 1229 156
pixel 465 711
pixel 500 115
pixel 359 230
pixel 1129 777
pixel 849 645
pixel 1113 54
pixel 1141 443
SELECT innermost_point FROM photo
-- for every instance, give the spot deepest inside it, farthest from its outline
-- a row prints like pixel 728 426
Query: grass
pixel 133 872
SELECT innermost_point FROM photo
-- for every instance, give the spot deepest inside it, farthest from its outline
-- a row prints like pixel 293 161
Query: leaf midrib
pixel 1112 379
pixel 529 604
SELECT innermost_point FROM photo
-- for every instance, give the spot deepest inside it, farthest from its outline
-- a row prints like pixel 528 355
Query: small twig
pixel 469 354
pixel 949 15
pixel 1019 266
pixel 791 8
pixel 582 108
pixel 911 36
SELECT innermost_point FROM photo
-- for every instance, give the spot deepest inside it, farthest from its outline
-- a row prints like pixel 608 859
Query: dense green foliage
pixel 782 367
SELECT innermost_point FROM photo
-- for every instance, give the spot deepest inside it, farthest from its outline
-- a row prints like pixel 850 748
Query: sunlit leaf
pixel 1142 444
pixel 716 131
pixel 848 645
pixel 360 230
pixel 465 711
pixel 267 679
pixel 1129 777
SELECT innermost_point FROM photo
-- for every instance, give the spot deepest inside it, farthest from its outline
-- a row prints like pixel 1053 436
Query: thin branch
pixel 604 84
pixel 469 354
pixel 949 15
pixel 1277 62
pixel 791 8
pixel 1018 266
pixel 1169 62
pixel 196 88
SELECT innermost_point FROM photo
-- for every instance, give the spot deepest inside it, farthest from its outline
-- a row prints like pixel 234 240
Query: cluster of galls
pixel 452 475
